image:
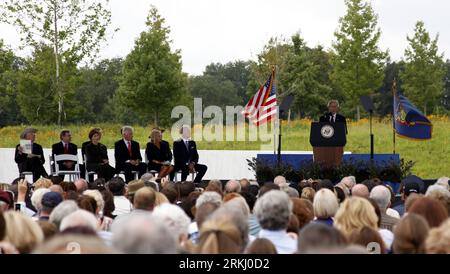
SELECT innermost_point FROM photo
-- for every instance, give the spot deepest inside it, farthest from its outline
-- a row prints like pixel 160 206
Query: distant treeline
pixel 143 87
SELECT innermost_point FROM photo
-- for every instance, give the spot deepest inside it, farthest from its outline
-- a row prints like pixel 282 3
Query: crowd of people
pixel 150 216
pixel 149 211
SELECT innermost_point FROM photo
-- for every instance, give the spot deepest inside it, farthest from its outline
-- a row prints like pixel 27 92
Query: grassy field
pixel 432 157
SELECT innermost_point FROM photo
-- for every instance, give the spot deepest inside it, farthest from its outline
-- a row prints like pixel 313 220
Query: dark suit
pixel 163 153
pixel 327 117
pixel 58 149
pixel 34 165
pixel 183 155
pixel 122 155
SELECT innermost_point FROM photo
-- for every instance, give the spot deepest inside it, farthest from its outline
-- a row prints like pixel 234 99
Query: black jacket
pixel 58 149
pixel 21 159
pixel 339 119
pixel 83 148
pixel 95 154
pixel 182 155
pixel 159 154
pixel 121 153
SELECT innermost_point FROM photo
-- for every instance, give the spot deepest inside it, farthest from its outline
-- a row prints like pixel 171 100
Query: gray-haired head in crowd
pixel 209 197
pixel 62 210
pixel 175 219
pixel 382 196
pixel 141 233
pixel 232 186
pixel 273 210
pixel 79 218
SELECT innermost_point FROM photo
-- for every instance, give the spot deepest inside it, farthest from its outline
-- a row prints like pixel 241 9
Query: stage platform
pixel 295 160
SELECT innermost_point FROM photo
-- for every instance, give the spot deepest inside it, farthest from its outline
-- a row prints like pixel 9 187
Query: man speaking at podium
pixel 332 116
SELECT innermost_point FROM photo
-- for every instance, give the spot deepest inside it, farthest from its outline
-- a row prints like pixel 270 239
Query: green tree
pixel 382 100
pixel 214 91
pixel 446 96
pixel 423 77
pixel 306 77
pixel 152 82
pixel 74 28
pixel 37 96
pixel 9 68
pixel 357 61
pixel 238 72
pixel 274 54
pixel 97 88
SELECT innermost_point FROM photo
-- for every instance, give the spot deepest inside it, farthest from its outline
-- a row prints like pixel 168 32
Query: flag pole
pixel 279 121
pixel 394 93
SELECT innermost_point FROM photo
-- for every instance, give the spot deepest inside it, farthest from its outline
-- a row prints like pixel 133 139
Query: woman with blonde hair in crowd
pixel 42 183
pixel 219 237
pixel 354 214
pixel 325 206
pixel 438 240
pixel 308 194
pixel 160 199
pixel 104 221
pixel 22 232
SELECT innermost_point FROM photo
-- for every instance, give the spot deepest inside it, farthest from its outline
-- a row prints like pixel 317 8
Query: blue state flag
pixel 409 122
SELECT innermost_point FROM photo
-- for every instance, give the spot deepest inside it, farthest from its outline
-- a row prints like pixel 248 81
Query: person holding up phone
pixel 31 162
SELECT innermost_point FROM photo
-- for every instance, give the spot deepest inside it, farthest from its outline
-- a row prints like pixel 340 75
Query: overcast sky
pixel 225 30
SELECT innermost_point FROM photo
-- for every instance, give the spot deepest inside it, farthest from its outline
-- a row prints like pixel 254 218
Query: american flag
pixel 262 107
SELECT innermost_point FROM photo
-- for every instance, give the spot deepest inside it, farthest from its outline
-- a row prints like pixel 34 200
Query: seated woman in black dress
pixel 97 156
pixel 159 154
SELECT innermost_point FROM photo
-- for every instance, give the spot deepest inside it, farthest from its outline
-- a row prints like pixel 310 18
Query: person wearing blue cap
pixel 49 201
pixel 409 186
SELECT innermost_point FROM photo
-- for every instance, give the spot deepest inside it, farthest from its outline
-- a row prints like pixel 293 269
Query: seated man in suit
pixel 66 147
pixel 128 155
pixel 186 156
pixel 33 162
pixel 332 116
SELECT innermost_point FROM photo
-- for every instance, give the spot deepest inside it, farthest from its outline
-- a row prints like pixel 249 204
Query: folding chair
pixel 178 172
pixel 73 174
pixel 51 164
pixel 134 172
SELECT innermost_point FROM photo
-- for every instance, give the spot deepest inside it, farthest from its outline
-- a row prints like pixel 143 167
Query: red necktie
pixel 66 149
pixel 129 148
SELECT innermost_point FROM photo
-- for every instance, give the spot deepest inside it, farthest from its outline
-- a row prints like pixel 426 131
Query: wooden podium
pixel 328 156
pixel 328 141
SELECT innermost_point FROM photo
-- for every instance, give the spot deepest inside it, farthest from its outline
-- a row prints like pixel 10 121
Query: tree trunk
pixel 358 115
pixel 58 90
pixel 289 116
pixel 156 119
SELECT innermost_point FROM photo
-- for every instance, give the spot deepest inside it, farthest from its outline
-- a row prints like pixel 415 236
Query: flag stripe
pixel 262 106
